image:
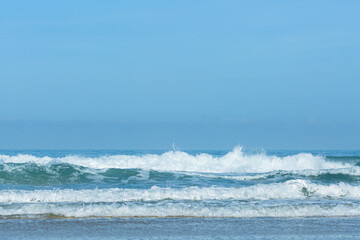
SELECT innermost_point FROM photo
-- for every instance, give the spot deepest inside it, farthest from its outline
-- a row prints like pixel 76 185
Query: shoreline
pixel 182 228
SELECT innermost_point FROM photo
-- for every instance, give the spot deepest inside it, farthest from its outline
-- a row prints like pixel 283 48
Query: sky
pixel 200 74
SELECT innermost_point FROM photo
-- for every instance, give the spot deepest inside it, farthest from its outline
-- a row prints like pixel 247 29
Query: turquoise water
pixel 190 192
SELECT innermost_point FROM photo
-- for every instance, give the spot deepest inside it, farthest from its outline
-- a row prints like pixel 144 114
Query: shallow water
pixel 182 228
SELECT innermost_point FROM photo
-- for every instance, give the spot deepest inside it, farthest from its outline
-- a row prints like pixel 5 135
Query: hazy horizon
pixel 202 75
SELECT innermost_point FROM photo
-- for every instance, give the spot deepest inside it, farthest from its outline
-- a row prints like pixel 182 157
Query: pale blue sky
pixel 203 74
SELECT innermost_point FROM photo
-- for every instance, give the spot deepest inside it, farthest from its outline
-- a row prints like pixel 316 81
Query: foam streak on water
pixel 293 189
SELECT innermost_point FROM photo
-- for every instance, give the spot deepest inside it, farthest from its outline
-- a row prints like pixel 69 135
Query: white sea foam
pixel 234 161
pixel 351 171
pixel 181 210
pixel 292 189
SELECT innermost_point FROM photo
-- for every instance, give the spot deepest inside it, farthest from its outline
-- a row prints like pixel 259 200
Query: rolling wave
pixel 235 161
pixel 119 210
pixel 295 198
pixel 63 173
pixel 178 184
pixel 293 189
pixel 59 174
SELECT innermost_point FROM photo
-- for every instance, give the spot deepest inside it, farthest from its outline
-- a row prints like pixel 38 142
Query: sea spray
pixel 234 161
pixel 178 184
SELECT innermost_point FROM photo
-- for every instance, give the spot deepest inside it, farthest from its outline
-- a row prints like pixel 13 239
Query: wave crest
pixel 292 189
pixel 234 161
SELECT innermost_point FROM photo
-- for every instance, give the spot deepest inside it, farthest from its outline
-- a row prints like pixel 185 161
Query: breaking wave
pixel 235 161
pixel 178 184
pixel 117 210
pixel 293 189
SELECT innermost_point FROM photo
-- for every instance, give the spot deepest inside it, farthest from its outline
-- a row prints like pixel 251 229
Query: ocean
pixel 242 194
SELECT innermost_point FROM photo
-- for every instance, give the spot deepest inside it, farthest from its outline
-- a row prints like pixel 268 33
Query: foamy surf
pixel 177 184
pixel 116 210
pixel 234 161
pixel 292 189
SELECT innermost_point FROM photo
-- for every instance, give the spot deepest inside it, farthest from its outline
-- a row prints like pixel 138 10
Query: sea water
pixel 95 194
